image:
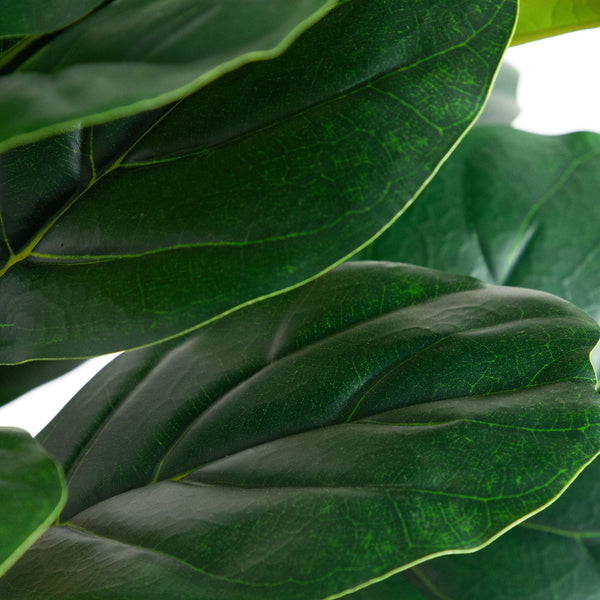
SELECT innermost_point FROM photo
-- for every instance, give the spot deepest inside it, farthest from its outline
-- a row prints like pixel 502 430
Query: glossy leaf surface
pixel 540 18
pixel 135 55
pixel 18 379
pixel 312 442
pixel 554 554
pixel 26 17
pixel 140 229
pixel 32 492
pixel 512 208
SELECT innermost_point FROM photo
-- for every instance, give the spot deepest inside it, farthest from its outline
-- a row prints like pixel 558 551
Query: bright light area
pixel 35 409
pixel 559 84
pixel 559 92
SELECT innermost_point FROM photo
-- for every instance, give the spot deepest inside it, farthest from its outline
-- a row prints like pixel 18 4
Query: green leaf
pixel 18 379
pixel 135 231
pixel 512 208
pixel 523 564
pixel 311 443
pixel 401 586
pixel 33 492
pixel 135 55
pixel 554 554
pixel 540 19
pixel 24 17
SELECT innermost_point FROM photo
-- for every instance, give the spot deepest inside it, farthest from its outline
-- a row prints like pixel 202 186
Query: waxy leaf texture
pixel 32 493
pixel 134 55
pixel 130 233
pixel 31 17
pixel 310 444
pixel 554 554
pixel 511 208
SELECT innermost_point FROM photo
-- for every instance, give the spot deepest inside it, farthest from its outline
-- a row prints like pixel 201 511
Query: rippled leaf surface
pixel 540 18
pixel 137 230
pixel 307 444
pixel 26 17
pixel 134 55
pixel 512 208
pixel 554 554
pixel 32 492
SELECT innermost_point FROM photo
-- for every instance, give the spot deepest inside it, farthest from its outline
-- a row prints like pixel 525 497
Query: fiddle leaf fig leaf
pixel 313 443
pixel 555 553
pixel 33 493
pixel 540 19
pixel 135 55
pixel 27 17
pixel 132 232
pixel 511 208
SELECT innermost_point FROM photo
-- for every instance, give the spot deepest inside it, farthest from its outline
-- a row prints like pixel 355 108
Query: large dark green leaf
pixel 512 208
pixel 32 493
pixel 540 18
pixel 554 554
pixel 134 55
pixel 24 17
pixel 307 444
pixel 128 233
pixel 18 379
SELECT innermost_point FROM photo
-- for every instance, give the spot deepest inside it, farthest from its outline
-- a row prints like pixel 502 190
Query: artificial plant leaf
pixel 540 19
pixel 134 55
pixel 523 564
pixel 554 554
pixel 32 492
pixel 511 208
pixel 401 586
pixel 128 233
pixel 26 17
pixel 18 379
pixel 308 444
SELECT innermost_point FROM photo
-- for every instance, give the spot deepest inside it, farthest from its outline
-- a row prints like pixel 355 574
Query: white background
pixel 559 92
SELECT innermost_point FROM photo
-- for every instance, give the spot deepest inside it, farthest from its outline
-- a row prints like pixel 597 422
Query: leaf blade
pixel 283 193
pixel 530 183
pixel 100 70
pixel 538 19
pixel 27 17
pixel 33 494
pixel 552 553
pixel 292 435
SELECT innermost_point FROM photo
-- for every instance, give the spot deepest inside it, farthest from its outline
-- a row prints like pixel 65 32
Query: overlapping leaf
pixel 554 554
pixel 32 492
pixel 125 234
pixel 27 17
pixel 540 18
pixel 310 443
pixel 512 208
pixel 135 55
